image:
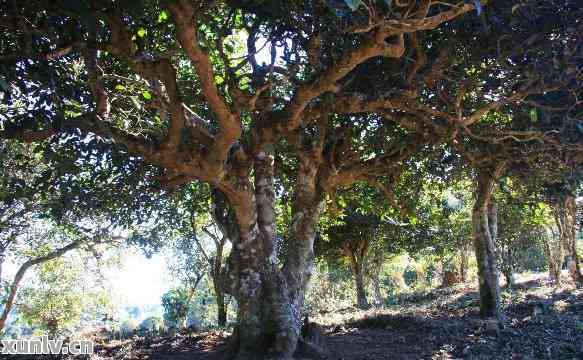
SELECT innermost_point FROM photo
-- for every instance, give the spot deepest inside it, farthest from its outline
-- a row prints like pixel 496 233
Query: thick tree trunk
pixel 270 297
pixel 307 208
pixel 485 229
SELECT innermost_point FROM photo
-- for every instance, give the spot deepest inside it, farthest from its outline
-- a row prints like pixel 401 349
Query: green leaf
pixel 120 87
pixel 163 16
pixel 142 32
pixel 353 4
pixel 147 95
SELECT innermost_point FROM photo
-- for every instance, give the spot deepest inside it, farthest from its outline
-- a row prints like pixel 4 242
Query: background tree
pixel 55 300
pixel 176 303
pixel 354 239
pixel 34 228
pixel 522 223
pixel 564 208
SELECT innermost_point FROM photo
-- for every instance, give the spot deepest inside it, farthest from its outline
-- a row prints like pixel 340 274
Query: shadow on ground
pixel 541 323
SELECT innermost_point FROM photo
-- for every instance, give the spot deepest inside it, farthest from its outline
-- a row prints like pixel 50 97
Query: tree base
pixel 311 346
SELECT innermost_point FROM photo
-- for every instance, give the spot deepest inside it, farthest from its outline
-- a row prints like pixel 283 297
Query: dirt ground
pixel 541 323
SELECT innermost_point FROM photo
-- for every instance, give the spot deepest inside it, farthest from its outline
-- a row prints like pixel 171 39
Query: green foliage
pixel 56 301
pixel 522 228
pixel 331 288
pixel 176 303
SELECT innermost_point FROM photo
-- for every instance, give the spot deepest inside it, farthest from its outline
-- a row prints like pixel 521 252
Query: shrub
pixel 151 323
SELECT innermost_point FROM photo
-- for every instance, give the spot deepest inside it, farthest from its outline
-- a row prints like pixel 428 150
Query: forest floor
pixel 541 323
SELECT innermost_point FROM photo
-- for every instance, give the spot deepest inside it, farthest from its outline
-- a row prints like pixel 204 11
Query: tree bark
pixel 569 236
pixel 218 288
pixel 554 254
pixel 565 212
pixel 307 208
pixel 508 269
pixel 378 260
pixel 221 306
pixel 270 297
pixel 485 229
pixel 506 258
pixel 463 263
pixel 357 271
pixel 223 218
pixel 249 261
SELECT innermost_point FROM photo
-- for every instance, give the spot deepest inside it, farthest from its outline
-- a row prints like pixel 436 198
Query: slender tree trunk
pixel 485 231
pixel 357 271
pixel 557 245
pixel 270 297
pixel 570 238
pixel 554 254
pixel 463 263
pixel 378 296
pixel 221 306
pixel 506 260
pixel 218 289
pixel 307 208
pixel 379 259
pixel 223 218
pixel 444 282
pixel 565 211
pixel 508 268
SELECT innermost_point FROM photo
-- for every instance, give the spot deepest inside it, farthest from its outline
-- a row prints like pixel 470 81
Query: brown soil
pixel 541 323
